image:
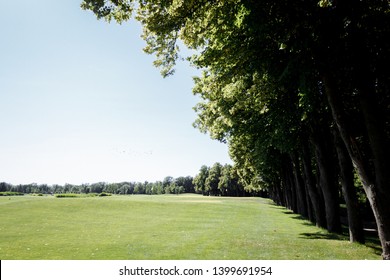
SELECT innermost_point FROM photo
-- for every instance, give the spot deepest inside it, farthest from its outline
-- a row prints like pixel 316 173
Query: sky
pixel 81 103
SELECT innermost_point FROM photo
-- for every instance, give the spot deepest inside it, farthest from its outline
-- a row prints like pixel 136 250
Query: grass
pixel 187 227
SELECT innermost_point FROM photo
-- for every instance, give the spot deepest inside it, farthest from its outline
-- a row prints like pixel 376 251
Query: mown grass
pixel 185 227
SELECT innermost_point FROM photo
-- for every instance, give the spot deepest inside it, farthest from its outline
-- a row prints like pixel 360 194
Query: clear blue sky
pixel 81 103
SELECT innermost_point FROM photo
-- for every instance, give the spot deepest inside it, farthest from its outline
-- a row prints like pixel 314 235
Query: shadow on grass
pixel 298 217
pixel 289 213
pixel 322 235
pixel 373 242
pixel 371 238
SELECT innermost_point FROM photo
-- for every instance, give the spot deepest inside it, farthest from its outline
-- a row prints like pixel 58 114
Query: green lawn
pixel 187 227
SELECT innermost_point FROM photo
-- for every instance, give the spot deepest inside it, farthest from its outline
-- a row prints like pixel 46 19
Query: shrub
pixel 66 195
pixel 104 194
pixel 76 195
pixel 10 193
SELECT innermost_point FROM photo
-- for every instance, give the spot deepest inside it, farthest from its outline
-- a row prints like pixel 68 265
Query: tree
pixel 111 188
pixel 225 180
pixel 167 181
pixel 139 188
pixel 124 189
pixel 355 223
pixel 186 183
pixel 200 180
pixel 58 189
pixel 212 181
pixel 229 182
pixel 97 187
pixel 4 187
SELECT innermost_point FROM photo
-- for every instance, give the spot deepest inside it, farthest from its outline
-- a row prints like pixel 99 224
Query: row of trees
pixel 169 185
pixel 298 89
pixel 217 180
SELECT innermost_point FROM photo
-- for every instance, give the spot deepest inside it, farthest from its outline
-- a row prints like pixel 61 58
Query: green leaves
pixel 118 10
pixel 325 3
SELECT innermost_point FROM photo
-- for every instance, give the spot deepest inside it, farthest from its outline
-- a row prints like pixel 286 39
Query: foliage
pixel 169 185
pixel 77 195
pixel 67 195
pixel 212 181
pixel 104 194
pixel 10 193
pixel 119 10
pixel 37 194
pixel 200 180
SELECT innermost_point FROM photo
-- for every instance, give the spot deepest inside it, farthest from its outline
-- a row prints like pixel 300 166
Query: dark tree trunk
pixel 279 193
pixel 379 145
pixel 355 224
pixel 286 186
pixel 375 186
pixel 292 188
pixel 316 199
pixel 329 188
pixel 308 203
pixel 299 186
pixel 274 194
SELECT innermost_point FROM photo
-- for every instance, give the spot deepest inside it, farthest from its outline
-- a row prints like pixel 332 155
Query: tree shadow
pixel 289 213
pixel 322 235
pixel 298 217
pixel 373 242
pixel 371 236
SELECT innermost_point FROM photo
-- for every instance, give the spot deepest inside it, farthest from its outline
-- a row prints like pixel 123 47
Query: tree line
pixel 217 180
pixel 299 90
pixel 169 185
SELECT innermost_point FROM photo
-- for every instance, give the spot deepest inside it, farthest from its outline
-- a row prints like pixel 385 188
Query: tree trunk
pixel 279 193
pixel 286 186
pixel 315 198
pixel 308 203
pixel 300 189
pixel 327 182
pixel 379 146
pixel 377 192
pixel 355 224
pixel 292 189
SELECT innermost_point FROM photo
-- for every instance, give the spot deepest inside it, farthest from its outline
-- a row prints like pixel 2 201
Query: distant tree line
pixel 169 185
pixel 217 180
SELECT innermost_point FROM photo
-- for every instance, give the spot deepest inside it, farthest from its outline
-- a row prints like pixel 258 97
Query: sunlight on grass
pixel 163 227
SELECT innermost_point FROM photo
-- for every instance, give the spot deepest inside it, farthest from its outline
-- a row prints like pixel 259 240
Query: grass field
pixel 187 227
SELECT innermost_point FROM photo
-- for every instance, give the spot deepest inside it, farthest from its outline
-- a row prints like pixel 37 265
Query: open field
pixel 185 227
